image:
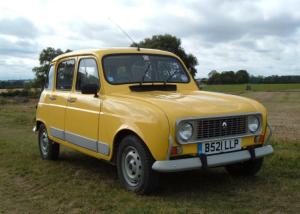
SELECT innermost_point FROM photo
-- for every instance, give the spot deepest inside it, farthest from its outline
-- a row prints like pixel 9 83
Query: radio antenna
pixel 125 33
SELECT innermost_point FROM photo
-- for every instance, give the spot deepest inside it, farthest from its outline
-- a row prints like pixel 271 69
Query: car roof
pixel 106 51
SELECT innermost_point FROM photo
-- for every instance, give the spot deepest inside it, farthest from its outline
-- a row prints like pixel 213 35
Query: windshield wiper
pixel 145 73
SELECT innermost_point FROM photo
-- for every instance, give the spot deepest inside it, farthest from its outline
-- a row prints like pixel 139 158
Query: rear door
pixel 83 110
pixel 58 97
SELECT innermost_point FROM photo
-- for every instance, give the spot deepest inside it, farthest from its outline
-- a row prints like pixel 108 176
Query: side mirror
pixel 90 89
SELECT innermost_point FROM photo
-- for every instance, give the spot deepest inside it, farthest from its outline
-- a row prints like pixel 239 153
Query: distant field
pixel 3 90
pixel 12 89
pixel 79 184
pixel 254 87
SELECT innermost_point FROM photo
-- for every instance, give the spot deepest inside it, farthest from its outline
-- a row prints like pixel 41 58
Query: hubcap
pixel 44 142
pixel 132 166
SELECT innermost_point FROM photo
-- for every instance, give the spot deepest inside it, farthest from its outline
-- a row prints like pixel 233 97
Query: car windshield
pixel 143 68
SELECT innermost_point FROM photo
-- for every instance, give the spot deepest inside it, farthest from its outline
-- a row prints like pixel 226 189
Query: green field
pixel 80 184
pixel 254 87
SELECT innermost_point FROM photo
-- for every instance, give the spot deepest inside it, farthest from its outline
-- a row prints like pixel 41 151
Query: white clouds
pixel 261 36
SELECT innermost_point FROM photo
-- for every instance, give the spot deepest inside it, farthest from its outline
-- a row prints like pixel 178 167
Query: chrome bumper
pixel 212 160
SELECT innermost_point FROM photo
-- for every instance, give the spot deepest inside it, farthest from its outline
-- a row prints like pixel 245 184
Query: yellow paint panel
pixel 82 115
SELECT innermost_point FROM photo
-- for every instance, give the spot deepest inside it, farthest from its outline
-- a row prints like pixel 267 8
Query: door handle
pixel 71 99
pixel 52 97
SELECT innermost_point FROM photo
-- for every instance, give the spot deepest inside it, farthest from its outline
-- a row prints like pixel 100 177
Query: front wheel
pixel 134 164
pixel 248 168
pixel 49 150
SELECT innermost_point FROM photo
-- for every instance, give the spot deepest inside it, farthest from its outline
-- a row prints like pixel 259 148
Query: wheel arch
pixel 118 138
pixel 38 123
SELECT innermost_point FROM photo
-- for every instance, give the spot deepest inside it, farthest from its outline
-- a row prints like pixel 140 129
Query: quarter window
pixel 87 73
pixel 64 76
pixel 49 82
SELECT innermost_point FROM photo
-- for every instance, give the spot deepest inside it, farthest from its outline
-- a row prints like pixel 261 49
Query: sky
pixel 261 36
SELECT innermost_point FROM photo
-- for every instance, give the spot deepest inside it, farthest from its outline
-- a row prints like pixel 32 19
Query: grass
pixel 254 87
pixel 79 184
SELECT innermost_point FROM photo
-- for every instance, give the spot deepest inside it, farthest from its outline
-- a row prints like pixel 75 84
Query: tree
pixel 227 77
pixel 215 78
pixel 213 72
pixel 242 76
pixel 170 43
pixel 45 58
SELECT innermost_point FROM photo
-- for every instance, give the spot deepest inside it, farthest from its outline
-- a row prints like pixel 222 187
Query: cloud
pixel 226 29
pixel 261 36
pixel 17 47
pixel 105 34
pixel 19 27
pixel 218 22
pixel 16 68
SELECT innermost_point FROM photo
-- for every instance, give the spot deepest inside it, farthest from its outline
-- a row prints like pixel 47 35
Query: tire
pixel 49 150
pixel 134 165
pixel 248 168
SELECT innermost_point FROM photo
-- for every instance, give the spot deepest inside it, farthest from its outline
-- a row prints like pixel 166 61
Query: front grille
pixel 215 127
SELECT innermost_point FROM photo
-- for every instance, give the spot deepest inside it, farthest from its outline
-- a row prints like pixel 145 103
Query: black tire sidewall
pixel 42 128
pixel 53 148
pixel 148 181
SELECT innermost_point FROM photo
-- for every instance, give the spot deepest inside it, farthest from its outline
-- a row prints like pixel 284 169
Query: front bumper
pixel 211 160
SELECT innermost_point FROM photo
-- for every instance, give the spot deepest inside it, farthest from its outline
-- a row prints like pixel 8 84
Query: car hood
pixel 179 105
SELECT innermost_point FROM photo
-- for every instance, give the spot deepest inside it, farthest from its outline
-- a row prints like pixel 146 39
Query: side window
pixel 87 73
pixel 49 82
pixel 64 76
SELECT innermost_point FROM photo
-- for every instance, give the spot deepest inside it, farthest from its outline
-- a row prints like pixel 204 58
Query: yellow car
pixel 141 110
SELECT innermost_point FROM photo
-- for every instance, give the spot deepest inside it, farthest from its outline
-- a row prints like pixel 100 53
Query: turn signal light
pixel 259 139
pixel 176 150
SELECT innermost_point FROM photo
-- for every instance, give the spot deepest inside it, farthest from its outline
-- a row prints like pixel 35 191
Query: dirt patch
pixel 283 112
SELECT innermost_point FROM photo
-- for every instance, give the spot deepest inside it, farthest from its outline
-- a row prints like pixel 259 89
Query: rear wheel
pixel 248 168
pixel 134 164
pixel 49 150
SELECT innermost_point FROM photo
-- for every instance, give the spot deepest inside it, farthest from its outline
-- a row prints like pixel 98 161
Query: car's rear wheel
pixel 248 168
pixel 134 164
pixel 49 150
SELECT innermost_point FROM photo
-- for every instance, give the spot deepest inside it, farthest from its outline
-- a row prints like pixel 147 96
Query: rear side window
pixel 87 73
pixel 64 76
pixel 49 82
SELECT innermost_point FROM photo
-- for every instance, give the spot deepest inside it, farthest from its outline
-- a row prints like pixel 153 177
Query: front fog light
pixel 253 123
pixel 185 131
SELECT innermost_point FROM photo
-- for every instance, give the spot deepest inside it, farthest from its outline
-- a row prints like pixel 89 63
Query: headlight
pixel 253 123
pixel 185 131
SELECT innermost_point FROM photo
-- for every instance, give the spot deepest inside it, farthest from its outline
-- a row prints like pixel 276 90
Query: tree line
pixel 275 79
pixel 7 84
pixel 242 77
pixel 228 77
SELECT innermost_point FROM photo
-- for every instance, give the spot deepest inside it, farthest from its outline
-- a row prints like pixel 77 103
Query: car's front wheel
pixel 134 164
pixel 248 168
pixel 49 150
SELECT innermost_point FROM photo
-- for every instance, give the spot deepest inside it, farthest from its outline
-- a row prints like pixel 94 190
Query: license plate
pixel 220 146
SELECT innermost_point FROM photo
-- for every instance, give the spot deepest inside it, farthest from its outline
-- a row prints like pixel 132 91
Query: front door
pixel 57 99
pixel 83 110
